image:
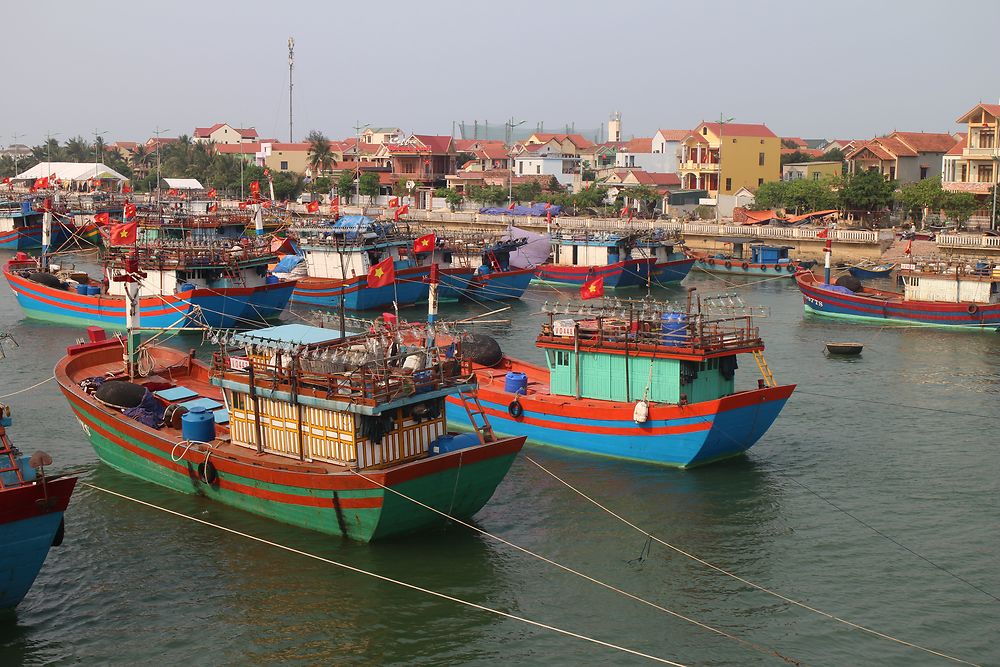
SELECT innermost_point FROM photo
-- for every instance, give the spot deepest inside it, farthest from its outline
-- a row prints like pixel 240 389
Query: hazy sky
pixel 824 68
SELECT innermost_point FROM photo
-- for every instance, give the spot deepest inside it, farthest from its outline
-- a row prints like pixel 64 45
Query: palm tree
pixel 320 154
pixel 77 149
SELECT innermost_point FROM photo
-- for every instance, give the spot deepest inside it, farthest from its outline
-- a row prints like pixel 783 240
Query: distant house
pixel 794 171
pixel 571 145
pixel 425 159
pixel 665 184
pixel 970 166
pixel 381 135
pixel 224 133
pixel 658 153
pixel 278 156
pixel 906 157
pixel 547 159
pixel 722 158
pixel 248 152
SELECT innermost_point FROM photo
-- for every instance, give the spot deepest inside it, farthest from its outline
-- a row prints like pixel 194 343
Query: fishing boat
pixel 870 270
pixel 21 225
pixel 632 379
pixel 762 260
pixel 951 293
pixel 498 278
pixel 844 348
pixel 672 265
pixel 338 257
pixel 345 434
pixel 184 285
pixel 455 275
pixel 32 504
pixel 581 257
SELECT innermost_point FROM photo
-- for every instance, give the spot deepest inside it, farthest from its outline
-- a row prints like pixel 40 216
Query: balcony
pixel 980 152
pixel 974 188
pixel 698 166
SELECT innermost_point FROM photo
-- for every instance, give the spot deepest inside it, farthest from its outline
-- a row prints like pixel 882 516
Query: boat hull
pixel 673 435
pixel 742 268
pixel 30 238
pixel 673 271
pixel 866 274
pixel 409 288
pixel 347 504
pixel 455 283
pixel 502 285
pixel 628 273
pixel 28 527
pixel 822 301
pixel 232 307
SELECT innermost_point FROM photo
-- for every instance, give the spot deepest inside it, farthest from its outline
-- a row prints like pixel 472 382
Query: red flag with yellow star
pixel 593 289
pixel 124 234
pixel 382 274
pixel 425 243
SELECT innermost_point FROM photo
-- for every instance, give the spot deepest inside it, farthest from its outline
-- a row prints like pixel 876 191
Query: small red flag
pixel 511 207
pixel 265 204
pixel 126 188
pixel 7 180
pixel 822 234
pixel 334 204
pixel 382 274
pixel 254 188
pixel 172 192
pixel 102 218
pixel 243 205
pixel 210 194
pixel 592 288
pixel 124 234
pixel 394 202
pixel 548 205
pixel 312 207
pixel 624 211
pixel 129 211
pixel 909 247
pixel 213 207
pixel 425 243
pixel 405 208
pixel 548 216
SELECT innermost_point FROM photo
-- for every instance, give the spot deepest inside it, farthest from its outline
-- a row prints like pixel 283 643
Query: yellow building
pixel 970 165
pixel 748 156
pixel 813 171
pixel 286 157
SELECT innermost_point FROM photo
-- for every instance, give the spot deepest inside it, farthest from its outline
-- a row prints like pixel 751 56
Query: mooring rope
pixel 737 577
pixel 381 577
pixel 21 391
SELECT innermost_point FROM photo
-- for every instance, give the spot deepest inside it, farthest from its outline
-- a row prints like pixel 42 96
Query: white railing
pixel 767 231
pixel 968 241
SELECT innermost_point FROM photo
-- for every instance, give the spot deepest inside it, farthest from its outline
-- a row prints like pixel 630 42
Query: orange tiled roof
pixel 639 145
pixel 674 135
pixel 926 142
pixel 740 130
pixel 991 109
pixel 960 146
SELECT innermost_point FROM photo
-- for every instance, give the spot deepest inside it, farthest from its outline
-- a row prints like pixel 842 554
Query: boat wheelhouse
pixel 578 258
pixel 345 434
pixel 937 292
pixel 751 258
pixel 21 225
pixel 672 263
pixel 637 380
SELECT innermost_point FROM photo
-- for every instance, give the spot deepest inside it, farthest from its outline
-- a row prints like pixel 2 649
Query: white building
pixel 657 154
pixel 542 160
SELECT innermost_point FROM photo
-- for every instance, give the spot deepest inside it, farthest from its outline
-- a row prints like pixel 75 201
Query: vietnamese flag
pixel 313 207
pixel 624 211
pixel 213 207
pixel 334 204
pixel 255 189
pixel 210 194
pixel 405 208
pixel 592 288
pixel 823 234
pixel 394 202
pixel 124 234
pixel 172 192
pixel 126 188
pixel 102 218
pixel 243 205
pixel 511 207
pixel 382 274
pixel 7 180
pixel 909 247
pixel 425 243
pixel 129 211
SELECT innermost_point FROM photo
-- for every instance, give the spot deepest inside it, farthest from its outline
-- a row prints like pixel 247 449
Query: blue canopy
pixel 287 263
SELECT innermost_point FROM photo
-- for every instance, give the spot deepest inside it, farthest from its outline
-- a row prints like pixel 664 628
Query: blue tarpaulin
pixel 535 210
pixel 287 263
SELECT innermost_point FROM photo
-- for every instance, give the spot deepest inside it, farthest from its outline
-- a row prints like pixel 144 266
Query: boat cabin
pixel 590 250
pixel 662 356
pixel 182 267
pixel 978 283
pixel 769 254
pixel 312 394
pixel 350 247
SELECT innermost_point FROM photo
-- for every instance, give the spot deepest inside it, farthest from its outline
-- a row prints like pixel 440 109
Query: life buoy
pixel 207 472
pixel 515 410
pixel 729 265
pixel 746 265
pixel 777 267
pixel 790 268
pixel 973 309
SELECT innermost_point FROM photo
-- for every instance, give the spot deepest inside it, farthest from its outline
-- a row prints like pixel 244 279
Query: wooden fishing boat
pixel 935 293
pixel 763 260
pixel 346 435
pixel 578 258
pixel 871 270
pixel 32 504
pixel 634 380
pixel 672 265
pixel 21 225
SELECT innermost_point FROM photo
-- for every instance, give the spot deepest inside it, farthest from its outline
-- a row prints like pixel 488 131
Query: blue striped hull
pixel 24 545
pixel 30 238
pixel 631 273
pixel 672 272
pixel 501 286
pixel 358 296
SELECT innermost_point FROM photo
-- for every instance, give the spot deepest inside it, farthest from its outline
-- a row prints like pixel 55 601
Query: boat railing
pixel 372 382
pixel 692 333
pixel 165 254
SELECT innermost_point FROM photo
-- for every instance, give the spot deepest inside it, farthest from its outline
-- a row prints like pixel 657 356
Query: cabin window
pixel 562 358
pixel 237 400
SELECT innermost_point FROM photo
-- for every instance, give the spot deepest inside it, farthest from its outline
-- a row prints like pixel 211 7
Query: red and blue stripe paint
pixel 410 287
pixel 627 273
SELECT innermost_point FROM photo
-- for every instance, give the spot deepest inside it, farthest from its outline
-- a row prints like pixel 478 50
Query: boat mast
pixel 432 306
pixel 131 279
pixel 46 234
pixel 827 251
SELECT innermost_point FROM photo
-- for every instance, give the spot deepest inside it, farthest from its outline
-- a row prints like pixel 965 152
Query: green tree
pixel 288 185
pixel 645 196
pixel 796 156
pixel 590 197
pixel 959 206
pixel 771 195
pixel 345 184
pixel 452 196
pixel 916 197
pixel 802 195
pixel 320 156
pixel 368 185
pixel 530 191
pixel 867 191
pixel 321 184
pixel 488 195
pixel 833 155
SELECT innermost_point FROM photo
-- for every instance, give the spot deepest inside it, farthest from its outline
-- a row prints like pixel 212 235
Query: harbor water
pixel 875 498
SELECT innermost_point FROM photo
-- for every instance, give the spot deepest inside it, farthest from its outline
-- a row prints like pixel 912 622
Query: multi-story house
pixel 722 158
pixel 224 133
pixel 381 135
pixel 658 153
pixel 546 159
pixel 906 157
pixel 424 159
pixel 570 145
pixel 971 165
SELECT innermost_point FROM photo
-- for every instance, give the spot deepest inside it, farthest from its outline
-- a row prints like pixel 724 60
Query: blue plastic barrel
pixel 515 383
pixel 198 424
pixel 82 290
pixel 93 290
pixel 453 443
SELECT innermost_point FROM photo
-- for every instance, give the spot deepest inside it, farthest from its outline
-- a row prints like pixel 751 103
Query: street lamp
pixel 97 135
pixel 157 131
pixel 510 125
pixel 718 180
pixel 14 138
pixel 358 129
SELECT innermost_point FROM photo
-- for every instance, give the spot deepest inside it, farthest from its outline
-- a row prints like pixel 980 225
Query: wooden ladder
pixel 484 430
pixel 10 464
pixel 765 370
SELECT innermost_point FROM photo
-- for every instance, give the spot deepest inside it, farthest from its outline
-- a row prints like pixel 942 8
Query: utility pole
pixel 291 63
pixel 97 135
pixel 158 131
pixel 358 128
pixel 718 183
pixel 509 135
pixel 996 181
pixel 14 138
